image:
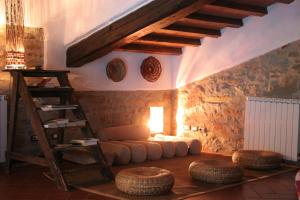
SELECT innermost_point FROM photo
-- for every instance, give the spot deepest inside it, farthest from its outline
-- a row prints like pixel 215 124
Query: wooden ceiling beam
pixel 155 15
pixel 213 20
pixel 238 8
pixel 155 49
pixel 285 1
pixel 165 40
pixel 189 31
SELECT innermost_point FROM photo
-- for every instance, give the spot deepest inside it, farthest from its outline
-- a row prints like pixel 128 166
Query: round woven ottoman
pixel 215 171
pixel 144 181
pixel 260 160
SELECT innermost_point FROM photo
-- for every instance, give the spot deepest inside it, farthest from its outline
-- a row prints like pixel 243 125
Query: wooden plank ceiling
pixel 164 27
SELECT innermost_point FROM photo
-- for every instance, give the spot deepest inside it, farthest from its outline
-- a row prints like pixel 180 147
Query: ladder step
pixel 83 167
pixel 50 92
pixel 28 158
pixel 71 147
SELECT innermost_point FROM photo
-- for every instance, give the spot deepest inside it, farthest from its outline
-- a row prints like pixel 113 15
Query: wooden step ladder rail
pixel 51 156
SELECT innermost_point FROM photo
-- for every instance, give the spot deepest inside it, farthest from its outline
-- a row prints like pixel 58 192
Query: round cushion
pixel 138 151
pixel 194 146
pixel 121 153
pixel 154 150
pixel 260 160
pixel 144 181
pixel 181 148
pixel 168 148
pixel 215 171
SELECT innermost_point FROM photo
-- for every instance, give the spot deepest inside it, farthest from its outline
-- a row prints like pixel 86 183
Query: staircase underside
pixel 164 27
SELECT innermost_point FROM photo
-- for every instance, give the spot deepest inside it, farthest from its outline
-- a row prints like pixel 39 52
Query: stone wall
pixel 218 101
pixel 116 108
pixel 34 55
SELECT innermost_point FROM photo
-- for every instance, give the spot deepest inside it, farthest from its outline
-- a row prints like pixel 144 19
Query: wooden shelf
pixel 49 92
pixel 70 147
pixel 80 123
pixel 38 73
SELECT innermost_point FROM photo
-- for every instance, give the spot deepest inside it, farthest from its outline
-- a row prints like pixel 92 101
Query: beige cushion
pixel 194 144
pixel 121 152
pixel 167 147
pixel 78 156
pixel 181 148
pixel 131 132
pixel 138 151
pixel 154 150
pixel 84 157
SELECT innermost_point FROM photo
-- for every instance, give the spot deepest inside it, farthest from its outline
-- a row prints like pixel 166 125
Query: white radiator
pixel 272 124
pixel 3 127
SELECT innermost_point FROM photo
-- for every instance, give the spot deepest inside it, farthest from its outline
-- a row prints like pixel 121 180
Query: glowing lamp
pixel 15 60
pixel 156 122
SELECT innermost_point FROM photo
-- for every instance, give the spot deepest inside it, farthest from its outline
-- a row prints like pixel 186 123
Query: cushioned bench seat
pixel 194 145
pixel 138 151
pixel 121 153
pixel 115 153
pixel 133 144
pixel 154 150
pixel 180 147
pixel 168 148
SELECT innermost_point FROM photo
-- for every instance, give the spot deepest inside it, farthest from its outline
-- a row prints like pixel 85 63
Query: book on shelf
pixel 62 123
pixel 61 146
pixel 84 142
pixel 57 107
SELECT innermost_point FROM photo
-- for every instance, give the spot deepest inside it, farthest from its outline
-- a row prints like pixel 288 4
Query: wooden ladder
pixel 52 154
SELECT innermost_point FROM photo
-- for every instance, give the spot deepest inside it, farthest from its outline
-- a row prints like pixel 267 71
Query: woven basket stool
pixel 144 181
pixel 215 171
pixel 260 160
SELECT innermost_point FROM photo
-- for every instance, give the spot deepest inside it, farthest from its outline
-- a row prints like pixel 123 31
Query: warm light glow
pixel 2 13
pixel 156 122
pixel 179 120
pixel 15 60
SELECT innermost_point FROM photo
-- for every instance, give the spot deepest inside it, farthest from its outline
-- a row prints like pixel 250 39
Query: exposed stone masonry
pixel 218 101
pixel 115 108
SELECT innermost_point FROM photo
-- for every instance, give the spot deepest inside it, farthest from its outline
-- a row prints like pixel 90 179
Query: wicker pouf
pixel 215 171
pixel 144 181
pixel 260 160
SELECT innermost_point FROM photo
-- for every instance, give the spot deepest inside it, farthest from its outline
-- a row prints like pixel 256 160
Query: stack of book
pixel 62 123
pixel 58 107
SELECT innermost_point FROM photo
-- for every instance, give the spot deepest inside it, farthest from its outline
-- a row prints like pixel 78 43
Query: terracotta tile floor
pixel 28 183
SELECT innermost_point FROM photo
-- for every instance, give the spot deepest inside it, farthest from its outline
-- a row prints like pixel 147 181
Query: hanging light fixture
pixel 15 52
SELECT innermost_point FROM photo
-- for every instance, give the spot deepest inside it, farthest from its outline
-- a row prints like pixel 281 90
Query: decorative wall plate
pixel 151 69
pixel 116 70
